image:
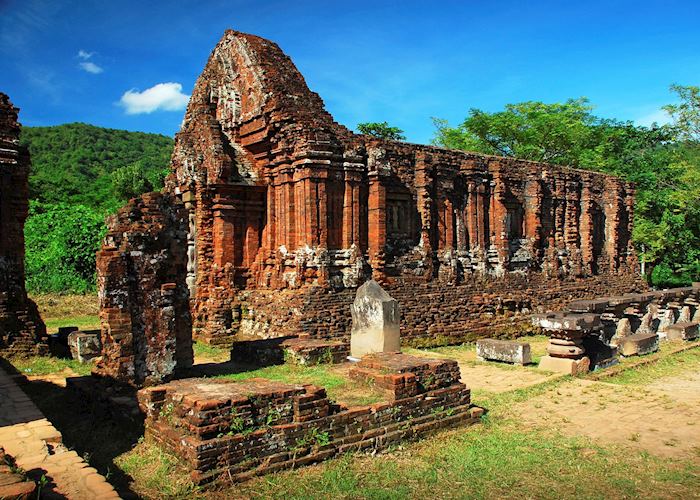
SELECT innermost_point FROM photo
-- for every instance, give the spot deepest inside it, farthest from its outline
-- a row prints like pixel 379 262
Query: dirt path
pixel 662 419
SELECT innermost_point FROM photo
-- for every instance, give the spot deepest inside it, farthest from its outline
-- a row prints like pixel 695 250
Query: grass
pixel 333 378
pixel 59 310
pixel 210 353
pixel 157 473
pixel 82 322
pixel 498 459
pixel 42 365
pixel 666 366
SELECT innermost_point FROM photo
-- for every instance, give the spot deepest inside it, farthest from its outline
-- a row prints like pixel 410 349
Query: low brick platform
pixel 307 351
pixel 403 376
pixel 37 448
pixel 226 430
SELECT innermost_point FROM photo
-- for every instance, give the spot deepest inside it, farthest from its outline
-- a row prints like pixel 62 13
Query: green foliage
pixel 61 241
pixel 686 114
pixel 73 163
pixel 664 162
pixel 135 179
pixel 81 173
pixel 382 130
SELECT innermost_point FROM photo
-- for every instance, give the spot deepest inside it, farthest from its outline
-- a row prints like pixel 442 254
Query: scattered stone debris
pixel 631 323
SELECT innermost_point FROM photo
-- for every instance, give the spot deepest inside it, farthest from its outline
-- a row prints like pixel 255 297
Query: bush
pixel 61 242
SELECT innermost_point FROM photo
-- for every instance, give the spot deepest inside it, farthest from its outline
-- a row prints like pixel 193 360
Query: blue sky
pixel 403 62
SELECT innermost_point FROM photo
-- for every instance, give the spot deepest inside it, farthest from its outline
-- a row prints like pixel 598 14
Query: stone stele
pixel 375 321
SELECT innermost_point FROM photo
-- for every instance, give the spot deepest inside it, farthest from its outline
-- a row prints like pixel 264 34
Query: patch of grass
pixel 495 460
pixel 56 305
pixel 156 473
pixel 45 365
pixel 665 366
pixel 210 353
pixel 82 322
pixel 337 384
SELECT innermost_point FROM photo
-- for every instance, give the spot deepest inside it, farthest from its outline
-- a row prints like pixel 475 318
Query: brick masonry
pixel 228 430
pixel 282 198
pixel 22 332
pixel 144 303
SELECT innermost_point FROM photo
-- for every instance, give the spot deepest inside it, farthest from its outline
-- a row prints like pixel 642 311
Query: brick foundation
pixel 236 430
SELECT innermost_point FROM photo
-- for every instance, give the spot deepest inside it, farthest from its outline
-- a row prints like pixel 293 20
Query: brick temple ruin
pixel 22 332
pixel 282 213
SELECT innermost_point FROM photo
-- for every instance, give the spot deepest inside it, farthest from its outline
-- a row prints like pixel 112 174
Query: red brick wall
pixel 22 332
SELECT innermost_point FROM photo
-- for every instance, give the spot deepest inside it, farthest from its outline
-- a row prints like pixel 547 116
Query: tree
pixel 131 181
pixel 61 241
pixel 382 130
pixel 686 114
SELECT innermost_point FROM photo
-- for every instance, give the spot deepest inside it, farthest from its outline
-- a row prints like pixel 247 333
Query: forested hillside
pixel 76 163
pixel 80 174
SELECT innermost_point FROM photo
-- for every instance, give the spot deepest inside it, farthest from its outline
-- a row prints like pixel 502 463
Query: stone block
pixel 375 321
pixel 563 365
pixel 504 350
pixel 567 322
pixel 685 330
pixel 589 306
pixel 84 346
pixel 601 354
pixel 639 344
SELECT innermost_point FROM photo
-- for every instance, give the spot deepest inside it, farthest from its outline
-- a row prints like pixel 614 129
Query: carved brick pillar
pixel 571 228
pixel 532 219
pixel 270 231
pixel 351 209
pixel 612 208
pixel 449 216
pixel 377 225
pixel 498 212
pixel 632 258
pixel 586 230
pixel 472 216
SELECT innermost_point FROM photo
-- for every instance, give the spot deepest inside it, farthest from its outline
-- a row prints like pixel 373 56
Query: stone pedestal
pixel 566 351
pixel 375 321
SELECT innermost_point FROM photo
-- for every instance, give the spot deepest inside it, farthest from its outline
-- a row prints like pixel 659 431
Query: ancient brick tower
pixel 288 212
pixel 21 330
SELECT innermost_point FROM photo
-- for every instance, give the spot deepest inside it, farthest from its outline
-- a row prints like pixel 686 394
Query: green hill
pixel 73 163
pixel 80 173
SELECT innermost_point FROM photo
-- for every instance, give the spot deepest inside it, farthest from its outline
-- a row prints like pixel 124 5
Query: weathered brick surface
pixel 236 430
pixel 281 197
pixel 288 212
pixel 22 332
pixel 144 303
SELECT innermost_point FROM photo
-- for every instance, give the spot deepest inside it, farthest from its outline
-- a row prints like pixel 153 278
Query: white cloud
pixel 85 55
pixel 91 67
pixel 660 117
pixel 163 96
